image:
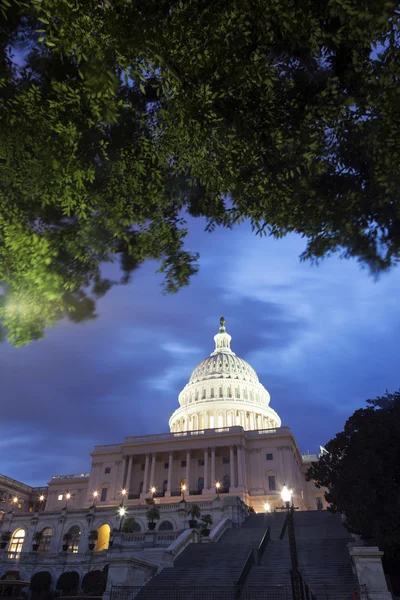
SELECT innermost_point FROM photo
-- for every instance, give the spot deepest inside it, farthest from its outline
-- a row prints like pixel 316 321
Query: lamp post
pixel 95 496
pixel 183 490
pixel 123 494
pixel 267 507
pixel 153 491
pixel 121 513
pixel 14 502
pixel 287 497
pixel 67 499
pixel 217 487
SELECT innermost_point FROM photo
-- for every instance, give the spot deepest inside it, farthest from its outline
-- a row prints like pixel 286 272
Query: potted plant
pixel 153 514
pixel 208 521
pixel 67 537
pixel 37 539
pixel 5 538
pixel 194 513
pixel 93 537
pixel 129 525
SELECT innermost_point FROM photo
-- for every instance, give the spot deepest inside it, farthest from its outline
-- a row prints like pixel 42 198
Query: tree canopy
pixel 362 473
pixel 119 118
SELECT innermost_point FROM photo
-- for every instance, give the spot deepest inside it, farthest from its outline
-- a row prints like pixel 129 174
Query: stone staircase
pixel 323 555
pixel 217 564
pixel 324 561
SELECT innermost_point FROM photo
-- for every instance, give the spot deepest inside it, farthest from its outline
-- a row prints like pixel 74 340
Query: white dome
pixel 223 365
pixel 223 390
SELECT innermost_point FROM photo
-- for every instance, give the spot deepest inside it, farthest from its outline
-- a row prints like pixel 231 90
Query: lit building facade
pixel 226 451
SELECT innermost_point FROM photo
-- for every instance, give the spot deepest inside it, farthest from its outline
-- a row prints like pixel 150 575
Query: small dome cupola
pixel 222 339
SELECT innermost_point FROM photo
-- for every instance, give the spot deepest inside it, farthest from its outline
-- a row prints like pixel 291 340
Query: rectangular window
pixel 142 467
pixel 225 460
pixel 103 494
pixel 201 462
pixel 166 465
pixel 60 497
pixel 107 470
pixel 271 482
pixel 183 463
pixel 270 457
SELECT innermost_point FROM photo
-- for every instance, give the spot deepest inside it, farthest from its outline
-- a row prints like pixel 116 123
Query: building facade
pixel 226 451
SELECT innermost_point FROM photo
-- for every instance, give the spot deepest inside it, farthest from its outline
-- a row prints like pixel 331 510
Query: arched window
pixel 103 539
pixel 237 393
pixel 212 392
pixel 229 392
pixel 17 541
pixel 45 543
pixel 196 396
pixel 200 483
pixel 165 485
pixel 226 482
pixel 165 526
pixel 73 543
pixel 204 394
pixel 245 394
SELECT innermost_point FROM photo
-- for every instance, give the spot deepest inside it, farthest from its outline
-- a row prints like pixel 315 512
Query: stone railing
pixel 220 529
pixel 74 476
pixel 52 557
pixel 189 536
pixel 15 484
pixel 132 537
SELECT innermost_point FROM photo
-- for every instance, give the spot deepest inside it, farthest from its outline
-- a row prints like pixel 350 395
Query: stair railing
pixel 299 584
pixel 263 544
pixel 283 530
pixel 250 562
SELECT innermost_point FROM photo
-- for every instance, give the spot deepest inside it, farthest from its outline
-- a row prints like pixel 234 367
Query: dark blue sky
pixel 322 340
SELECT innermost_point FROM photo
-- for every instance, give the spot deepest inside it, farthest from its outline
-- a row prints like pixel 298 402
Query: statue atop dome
pixel 222 324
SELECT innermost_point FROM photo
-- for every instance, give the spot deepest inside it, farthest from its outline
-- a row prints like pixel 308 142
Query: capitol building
pixel 227 452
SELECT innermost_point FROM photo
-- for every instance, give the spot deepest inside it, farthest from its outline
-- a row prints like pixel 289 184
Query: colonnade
pixel 215 419
pixel 236 470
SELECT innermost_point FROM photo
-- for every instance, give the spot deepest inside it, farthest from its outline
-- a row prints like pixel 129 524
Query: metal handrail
pixel 306 592
pixel 263 544
pixel 283 530
pixel 250 561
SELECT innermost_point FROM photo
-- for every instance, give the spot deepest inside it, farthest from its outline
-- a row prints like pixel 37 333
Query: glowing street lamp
pixel 267 507
pixel 153 491
pixel 95 496
pixel 183 490
pixel 121 514
pixel 67 498
pixel 123 494
pixel 286 495
pixel 41 498
pixel 217 487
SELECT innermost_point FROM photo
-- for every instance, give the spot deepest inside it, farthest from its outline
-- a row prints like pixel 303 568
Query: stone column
pixel 240 466
pixel 206 482
pixel 128 476
pixel 232 465
pixel 188 471
pixel 115 479
pixel 153 470
pixel 212 482
pixel 169 483
pixel 146 476
pixel 122 475
pixel 368 563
